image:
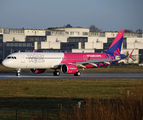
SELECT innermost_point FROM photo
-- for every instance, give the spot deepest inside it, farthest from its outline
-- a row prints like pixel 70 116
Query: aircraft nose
pixel 6 63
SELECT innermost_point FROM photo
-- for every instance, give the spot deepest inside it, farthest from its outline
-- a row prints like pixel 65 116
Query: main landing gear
pixel 18 72
pixel 56 73
pixel 77 73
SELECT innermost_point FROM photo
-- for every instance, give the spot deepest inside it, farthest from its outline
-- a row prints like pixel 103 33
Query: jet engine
pixel 37 71
pixel 69 69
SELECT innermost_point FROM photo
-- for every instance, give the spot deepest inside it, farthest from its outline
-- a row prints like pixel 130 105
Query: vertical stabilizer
pixel 115 47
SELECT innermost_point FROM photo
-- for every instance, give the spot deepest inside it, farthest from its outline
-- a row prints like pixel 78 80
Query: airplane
pixel 69 63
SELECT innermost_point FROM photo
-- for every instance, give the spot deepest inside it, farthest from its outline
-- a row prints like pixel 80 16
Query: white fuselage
pixel 33 60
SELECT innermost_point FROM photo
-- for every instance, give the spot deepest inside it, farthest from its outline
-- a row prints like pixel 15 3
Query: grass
pixel 57 98
pixel 125 109
pixel 69 88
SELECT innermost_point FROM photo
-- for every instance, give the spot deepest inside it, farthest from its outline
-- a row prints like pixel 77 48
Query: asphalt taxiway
pixel 71 76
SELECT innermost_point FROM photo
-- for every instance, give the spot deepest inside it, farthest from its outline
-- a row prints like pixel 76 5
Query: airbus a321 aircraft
pixel 69 63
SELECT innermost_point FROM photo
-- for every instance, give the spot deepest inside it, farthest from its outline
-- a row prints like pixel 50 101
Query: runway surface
pixel 71 76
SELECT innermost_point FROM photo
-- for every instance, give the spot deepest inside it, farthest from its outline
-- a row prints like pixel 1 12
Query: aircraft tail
pixel 115 47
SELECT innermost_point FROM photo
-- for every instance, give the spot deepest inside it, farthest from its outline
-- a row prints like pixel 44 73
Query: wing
pixel 92 62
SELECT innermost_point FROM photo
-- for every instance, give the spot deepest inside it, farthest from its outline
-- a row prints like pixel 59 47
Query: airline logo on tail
pixel 115 47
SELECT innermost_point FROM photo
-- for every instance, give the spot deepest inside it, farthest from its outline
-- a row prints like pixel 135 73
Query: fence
pixel 30 113
pixel 23 108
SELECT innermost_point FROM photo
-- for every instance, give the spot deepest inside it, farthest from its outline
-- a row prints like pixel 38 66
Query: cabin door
pixel 22 59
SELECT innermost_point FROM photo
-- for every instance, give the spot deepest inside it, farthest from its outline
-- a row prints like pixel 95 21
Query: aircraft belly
pixel 54 64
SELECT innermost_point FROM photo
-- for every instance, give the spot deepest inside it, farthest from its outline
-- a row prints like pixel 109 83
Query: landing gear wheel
pixel 56 73
pixel 18 72
pixel 77 73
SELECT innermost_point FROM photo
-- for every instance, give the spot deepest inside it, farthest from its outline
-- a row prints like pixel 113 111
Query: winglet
pixel 131 54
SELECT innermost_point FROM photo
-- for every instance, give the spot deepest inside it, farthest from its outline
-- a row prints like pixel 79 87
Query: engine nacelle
pixel 37 71
pixel 69 69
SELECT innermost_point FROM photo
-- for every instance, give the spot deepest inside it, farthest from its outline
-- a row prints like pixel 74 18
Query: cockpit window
pixel 11 57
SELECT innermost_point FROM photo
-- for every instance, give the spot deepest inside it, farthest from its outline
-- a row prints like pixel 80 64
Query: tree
pixel 139 31
pixel 128 31
pixel 94 29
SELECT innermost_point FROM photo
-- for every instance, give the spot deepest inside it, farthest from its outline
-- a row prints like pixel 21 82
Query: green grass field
pixel 57 98
pixel 68 88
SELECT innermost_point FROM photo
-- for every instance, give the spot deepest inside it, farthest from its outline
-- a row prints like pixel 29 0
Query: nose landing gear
pixel 18 72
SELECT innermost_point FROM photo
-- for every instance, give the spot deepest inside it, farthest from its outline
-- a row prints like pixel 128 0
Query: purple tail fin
pixel 115 47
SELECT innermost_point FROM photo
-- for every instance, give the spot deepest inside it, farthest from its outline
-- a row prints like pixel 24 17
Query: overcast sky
pixel 107 15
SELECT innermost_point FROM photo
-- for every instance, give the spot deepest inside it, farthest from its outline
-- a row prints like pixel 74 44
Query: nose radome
pixel 3 62
pixel 7 63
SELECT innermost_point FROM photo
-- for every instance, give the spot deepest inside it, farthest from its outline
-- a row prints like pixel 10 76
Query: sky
pixel 107 15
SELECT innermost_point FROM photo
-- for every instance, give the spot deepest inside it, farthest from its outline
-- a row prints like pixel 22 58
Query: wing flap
pixel 93 64
pixel 94 61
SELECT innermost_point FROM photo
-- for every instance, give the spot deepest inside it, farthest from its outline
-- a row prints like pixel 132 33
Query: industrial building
pixel 67 39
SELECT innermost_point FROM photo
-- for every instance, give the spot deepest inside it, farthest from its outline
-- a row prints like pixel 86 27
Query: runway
pixel 71 76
